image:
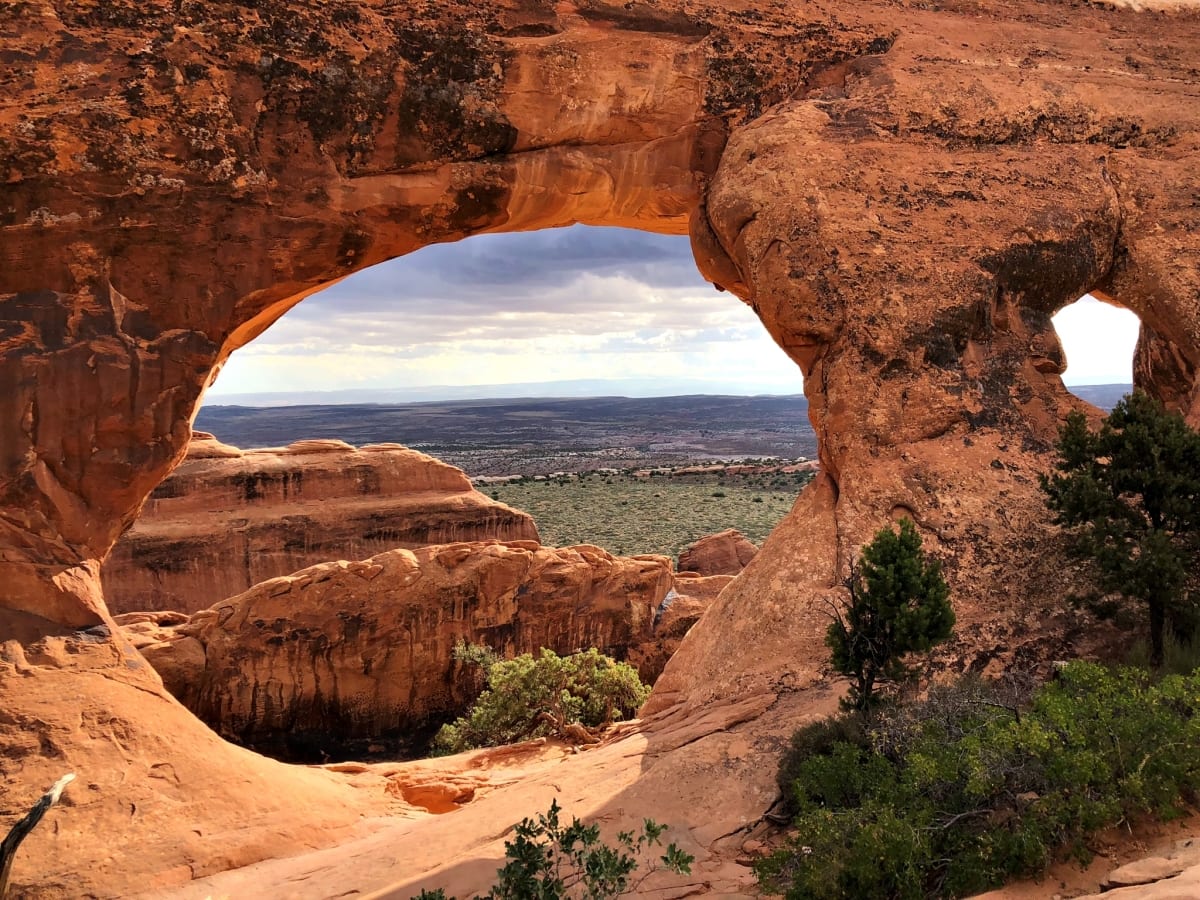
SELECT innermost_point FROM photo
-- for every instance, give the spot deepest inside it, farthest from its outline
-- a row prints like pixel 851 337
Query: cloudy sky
pixel 575 304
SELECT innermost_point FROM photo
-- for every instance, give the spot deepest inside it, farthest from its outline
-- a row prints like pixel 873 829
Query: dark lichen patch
pixel 1053 123
pixel 478 205
pixel 449 105
pixel 113 14
pixel 344 103
pixel 645 17
pixel 756 72
pixel 526 30
pixel 352 246
pixel 1043 276
pixel 946 339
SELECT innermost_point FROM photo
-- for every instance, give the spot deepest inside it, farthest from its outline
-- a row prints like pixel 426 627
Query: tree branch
pixel 20 831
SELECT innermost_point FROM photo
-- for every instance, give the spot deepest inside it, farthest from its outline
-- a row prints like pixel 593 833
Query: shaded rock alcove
pixel 905 195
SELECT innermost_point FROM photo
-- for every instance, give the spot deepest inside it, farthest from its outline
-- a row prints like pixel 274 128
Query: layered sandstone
pixel 227 519
pixel 724 553
pixel 344 656
pixel 904 192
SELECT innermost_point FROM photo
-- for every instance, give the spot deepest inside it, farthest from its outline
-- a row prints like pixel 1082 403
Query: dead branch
pixel 20 831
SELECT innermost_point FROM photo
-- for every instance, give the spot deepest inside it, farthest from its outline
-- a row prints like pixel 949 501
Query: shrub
pixel 818 739
pixel 544 695
pixel 549 861
pixel 897 606
pixel 957 794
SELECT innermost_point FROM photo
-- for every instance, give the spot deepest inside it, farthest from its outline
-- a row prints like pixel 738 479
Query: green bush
pixel 897 606
pixel 549 861
pixel 544 695
pixel 966 790
pixel 819 738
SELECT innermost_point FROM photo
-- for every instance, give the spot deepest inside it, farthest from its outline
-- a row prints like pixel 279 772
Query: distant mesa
pixel 1104 396
pixel 227 519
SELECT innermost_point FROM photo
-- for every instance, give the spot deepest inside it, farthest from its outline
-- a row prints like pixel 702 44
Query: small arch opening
pixel 1098 338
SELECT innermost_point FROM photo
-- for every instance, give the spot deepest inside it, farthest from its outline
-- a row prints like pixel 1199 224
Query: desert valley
pixel 250 647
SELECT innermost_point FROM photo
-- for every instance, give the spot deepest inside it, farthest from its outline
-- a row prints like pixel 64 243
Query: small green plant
pixel 1130 492
pixel 978 784
pixel 897 606
pixel 549 861
pixel 547 694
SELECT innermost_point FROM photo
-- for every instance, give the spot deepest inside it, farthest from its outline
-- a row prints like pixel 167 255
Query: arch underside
pixel 904 203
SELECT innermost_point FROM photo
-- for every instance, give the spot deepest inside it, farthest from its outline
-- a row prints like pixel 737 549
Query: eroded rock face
pixel 904 194
pixel 227 519
pixel 345 655
pixel 724 553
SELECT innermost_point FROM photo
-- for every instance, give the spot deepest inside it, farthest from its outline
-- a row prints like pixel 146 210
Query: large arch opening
pixel 646 409
pixel 588 377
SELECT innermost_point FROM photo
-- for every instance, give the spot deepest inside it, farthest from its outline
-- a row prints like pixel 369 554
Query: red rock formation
pixel 343 655
pixel 724 553
pixel 904 193
pixel 227 519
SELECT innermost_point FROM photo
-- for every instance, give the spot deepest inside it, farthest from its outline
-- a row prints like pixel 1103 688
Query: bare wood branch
pixel 18 833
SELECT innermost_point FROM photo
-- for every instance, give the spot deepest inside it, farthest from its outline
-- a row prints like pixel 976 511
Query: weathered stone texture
pixel 344 655
pixel 724 553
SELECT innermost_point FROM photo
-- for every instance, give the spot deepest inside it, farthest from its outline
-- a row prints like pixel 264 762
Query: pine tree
pixel 1131 494
pixel 898 605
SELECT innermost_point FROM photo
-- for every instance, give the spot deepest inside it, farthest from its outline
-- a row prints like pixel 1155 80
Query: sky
pixel 572 304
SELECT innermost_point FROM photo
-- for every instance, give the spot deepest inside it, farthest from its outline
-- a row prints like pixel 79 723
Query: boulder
pixel 724 553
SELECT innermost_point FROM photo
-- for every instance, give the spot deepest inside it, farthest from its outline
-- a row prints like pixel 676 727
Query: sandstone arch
pixel 904 195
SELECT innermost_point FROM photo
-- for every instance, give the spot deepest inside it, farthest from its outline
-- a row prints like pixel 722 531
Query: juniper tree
pixel 1130 492
pixel 898 605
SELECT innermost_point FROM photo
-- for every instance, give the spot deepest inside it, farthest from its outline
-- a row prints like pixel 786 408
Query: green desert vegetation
pixel 898 606
pixel 983 782
pixel 1129 494
pixel 547 694
pixel 552 861
pixel 628 515
pixel 977 785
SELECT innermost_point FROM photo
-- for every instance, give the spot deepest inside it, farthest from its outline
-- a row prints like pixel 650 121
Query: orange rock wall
pixel 904 193
pixel 343 656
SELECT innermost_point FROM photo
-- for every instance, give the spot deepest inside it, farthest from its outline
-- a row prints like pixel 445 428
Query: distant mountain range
pixel 1104 396
pixel 535 435
pixel 531 435
pixel 580 388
